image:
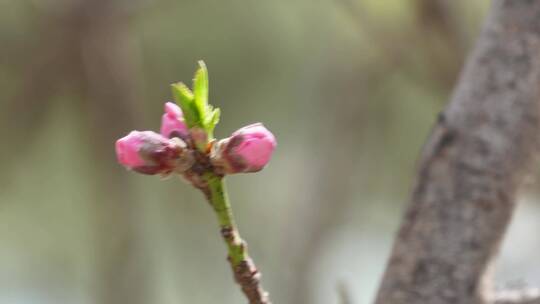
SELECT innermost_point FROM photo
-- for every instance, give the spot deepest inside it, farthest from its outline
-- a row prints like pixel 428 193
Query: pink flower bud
pixel 148 152
pixel 172 122
pixel 249 149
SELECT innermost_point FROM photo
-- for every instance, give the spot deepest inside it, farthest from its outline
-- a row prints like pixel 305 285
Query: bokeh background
pixel 349 87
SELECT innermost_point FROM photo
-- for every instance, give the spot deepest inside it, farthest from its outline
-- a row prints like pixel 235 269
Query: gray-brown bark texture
pixel 471 167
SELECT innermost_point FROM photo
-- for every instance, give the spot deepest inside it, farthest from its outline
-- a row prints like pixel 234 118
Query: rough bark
pixel 475 159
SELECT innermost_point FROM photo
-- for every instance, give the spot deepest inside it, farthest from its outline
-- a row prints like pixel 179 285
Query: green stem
pixel 245 272
pixel 220 202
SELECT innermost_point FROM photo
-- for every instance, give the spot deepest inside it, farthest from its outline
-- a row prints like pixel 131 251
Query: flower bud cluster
pixel 248 149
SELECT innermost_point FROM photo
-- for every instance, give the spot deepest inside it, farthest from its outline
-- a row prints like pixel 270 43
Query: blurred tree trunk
pixel 440 34
pixel 108 82
pixel 472 166
pixel 83 45
pixel 322 212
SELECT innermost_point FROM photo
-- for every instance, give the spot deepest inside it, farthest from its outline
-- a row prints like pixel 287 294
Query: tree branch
pixel 471 167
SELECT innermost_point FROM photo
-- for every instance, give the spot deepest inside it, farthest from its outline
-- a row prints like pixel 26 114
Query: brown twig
pixel 249 279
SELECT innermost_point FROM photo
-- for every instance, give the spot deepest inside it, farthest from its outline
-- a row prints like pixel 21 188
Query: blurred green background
pixel 350 88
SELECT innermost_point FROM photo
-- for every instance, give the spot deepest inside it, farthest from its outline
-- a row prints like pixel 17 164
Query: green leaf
pixel 200 90
pixel 185 99
pixel 212 120
pixel 215 117
pixel 197 112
